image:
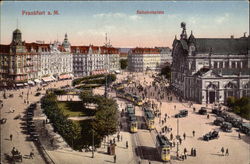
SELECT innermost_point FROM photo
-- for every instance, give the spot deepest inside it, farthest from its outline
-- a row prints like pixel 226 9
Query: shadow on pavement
pixel 147 153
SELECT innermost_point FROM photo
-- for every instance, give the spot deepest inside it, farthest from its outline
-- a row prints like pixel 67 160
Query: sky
pixel 86 22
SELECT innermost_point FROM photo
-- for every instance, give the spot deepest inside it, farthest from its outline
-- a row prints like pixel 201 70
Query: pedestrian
pixel 11 137
pixel 118 137
pixel 185 151
pixel 193 133
pixel 195 152
pixel 31 154
pixel 171 136
pixel 222 151
pixel 180 140
pixel 227 152
pixel 208 116
pixel 114 158
pixel 121 137
pixel 194 109
pixel 184 136
pixel 126 144
pixel 239 136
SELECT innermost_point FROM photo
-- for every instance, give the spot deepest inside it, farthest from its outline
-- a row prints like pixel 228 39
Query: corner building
pixel 143 59
pixel 209 70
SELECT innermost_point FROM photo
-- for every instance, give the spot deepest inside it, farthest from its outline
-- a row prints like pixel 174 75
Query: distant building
pixel 209 70
pixel 166 56
pixel 123 55
pixel 88 60
pixel 143 59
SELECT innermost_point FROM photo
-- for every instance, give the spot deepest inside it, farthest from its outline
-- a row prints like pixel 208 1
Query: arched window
pixel 246 90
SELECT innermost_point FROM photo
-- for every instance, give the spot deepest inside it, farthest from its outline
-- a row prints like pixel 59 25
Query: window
pixel 215 65
pixel 220 64
pixel 233 64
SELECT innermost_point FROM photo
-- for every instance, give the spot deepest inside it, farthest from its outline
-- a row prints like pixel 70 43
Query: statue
pixel 183 25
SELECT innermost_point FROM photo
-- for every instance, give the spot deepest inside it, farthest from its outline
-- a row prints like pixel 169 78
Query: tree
pixel 166 71
pixel 123 63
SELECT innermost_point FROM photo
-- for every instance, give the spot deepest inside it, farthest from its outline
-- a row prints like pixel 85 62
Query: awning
pixel 66 76
pixel 37 81
pixel 47 79
pixel 31 82
pixel 20 85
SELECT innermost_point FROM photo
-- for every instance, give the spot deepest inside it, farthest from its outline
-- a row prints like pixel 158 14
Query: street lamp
pixel 177 137
pixel 93 143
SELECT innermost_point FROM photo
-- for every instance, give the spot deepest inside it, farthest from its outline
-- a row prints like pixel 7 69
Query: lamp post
pixel 177 137
pixel 93 143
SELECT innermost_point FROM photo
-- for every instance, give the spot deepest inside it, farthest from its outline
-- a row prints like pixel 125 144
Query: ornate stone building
pixel 88 60
pixel 208 70
pixel 21 62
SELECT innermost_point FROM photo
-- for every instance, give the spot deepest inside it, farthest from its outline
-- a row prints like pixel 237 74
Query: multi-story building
pixel 166 56
pixel 208 70
pixel 88 60
pixel 142 59
pixel 20 61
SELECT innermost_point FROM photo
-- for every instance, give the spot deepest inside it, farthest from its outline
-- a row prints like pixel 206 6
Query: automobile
pixel 226 127
pixel 182 113
pixel 219 121
pixel 38 94
pixel 203 111
pixel 3 120
pixel 211 135
pixel 216 111
pixel 245 128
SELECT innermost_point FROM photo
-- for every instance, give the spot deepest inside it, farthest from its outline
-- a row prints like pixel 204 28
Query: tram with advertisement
pixel 163 146
pixel 149 117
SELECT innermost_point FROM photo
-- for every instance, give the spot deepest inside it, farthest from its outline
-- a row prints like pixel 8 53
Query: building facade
pixel 22 61
pixel 166 56
pixel 209 70
pixel 88 60
pixel 143 59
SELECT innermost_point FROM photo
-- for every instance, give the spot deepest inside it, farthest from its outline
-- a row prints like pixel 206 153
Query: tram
pixel 149 116
pixel 137 100
pixel 163 146
pixel 130 109
pixel 133 123
pixel 132 98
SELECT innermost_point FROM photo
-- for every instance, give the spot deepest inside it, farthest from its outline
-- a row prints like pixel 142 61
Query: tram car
pixel 133 125
pixel 137 100
pixel 149 116
pixel 130 109
pixel 163 146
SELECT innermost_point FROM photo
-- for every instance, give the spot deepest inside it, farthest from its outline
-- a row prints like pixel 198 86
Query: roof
pixel 17 31
pixel 95 49
pixel 4 48
pixel 223 45
pixel 202 71
pixel 35 46
pixel 138 50
pixel 232 71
